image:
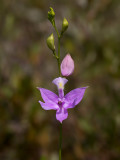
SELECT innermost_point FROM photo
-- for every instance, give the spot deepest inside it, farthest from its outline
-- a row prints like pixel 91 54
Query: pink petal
pixel 68 105
pixel 74 96
pixel 60 80
pixel 67 65
pixel 61 114
pixel 48 95
pixel 49 105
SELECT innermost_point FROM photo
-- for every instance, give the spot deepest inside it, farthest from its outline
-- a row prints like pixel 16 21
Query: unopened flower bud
pixel 51 15
pixel 50 42
pixel 64 25
pixel 67 65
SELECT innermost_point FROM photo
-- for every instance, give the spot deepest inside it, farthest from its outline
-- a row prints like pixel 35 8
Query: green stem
pixel 56 30
pixel 58 57
pixel 58 46
pixel 60 147
pixel 58 60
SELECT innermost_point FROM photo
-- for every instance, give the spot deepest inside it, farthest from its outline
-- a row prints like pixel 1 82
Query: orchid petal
pixel 61 114
pixel 68 105
pixel 60 82
pixel 48 95
pixel 74 96
pixel 49 105
pixel 67 65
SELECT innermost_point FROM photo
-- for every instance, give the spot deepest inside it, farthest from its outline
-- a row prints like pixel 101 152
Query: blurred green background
pixel 92 130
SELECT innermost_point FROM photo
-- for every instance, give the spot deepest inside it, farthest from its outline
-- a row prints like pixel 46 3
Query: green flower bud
pixel 50 42
pixel 64 25
pixel 51 15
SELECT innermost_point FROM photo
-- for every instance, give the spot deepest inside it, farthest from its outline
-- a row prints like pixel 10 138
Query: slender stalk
pixel 58 60
pixel 60 141
pixel 58 57
pixel 60 147
pixel 59 47
pixel 56 30
pixel 59 54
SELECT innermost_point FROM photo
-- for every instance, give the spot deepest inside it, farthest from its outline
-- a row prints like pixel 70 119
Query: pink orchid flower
pixel 61 103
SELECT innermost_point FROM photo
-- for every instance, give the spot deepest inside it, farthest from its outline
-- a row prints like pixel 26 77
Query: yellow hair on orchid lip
pixel 60 85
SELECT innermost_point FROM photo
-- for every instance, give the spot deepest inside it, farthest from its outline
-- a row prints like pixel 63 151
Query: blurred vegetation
pixel 92 130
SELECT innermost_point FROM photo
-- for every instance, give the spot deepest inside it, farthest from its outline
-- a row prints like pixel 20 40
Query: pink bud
pixel 67 65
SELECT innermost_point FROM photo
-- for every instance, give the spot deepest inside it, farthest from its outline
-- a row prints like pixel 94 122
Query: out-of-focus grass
pixel 92 129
